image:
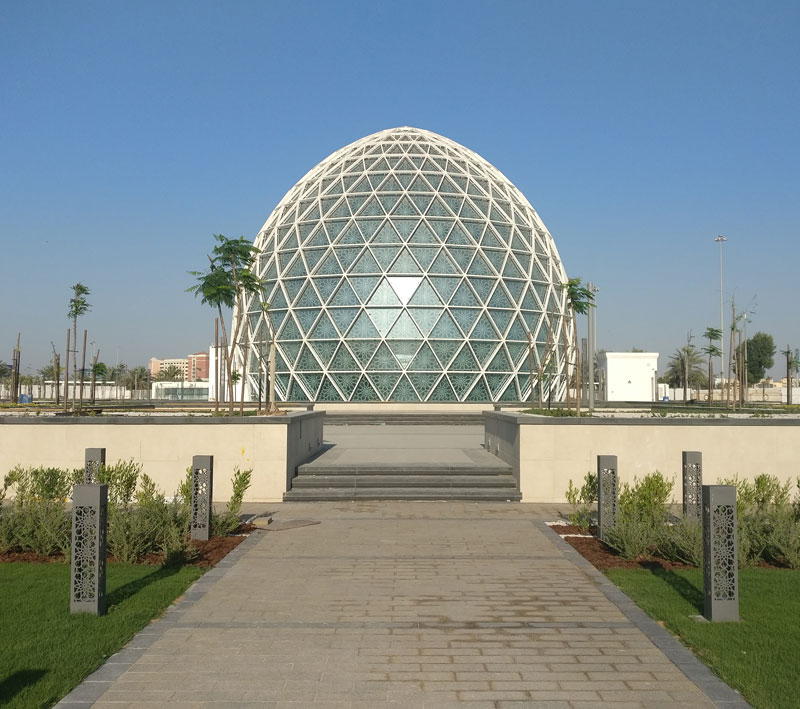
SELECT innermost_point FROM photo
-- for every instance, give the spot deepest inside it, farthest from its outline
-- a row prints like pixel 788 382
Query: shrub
pixel 784 541
pixel 225 523
pixel 582 500
pixel 121 478
pixel 682 541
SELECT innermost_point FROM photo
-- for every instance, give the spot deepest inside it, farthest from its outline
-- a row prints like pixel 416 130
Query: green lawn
pixel 45 651
pixel 759 656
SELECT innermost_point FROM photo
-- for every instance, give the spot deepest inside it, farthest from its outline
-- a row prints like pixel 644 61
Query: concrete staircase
pixel 403 418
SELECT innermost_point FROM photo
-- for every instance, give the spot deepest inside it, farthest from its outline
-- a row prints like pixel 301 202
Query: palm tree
pixel 579 300
pixel 229 278
pixel 169 374
pixel 712 334
pixel 685 368
pixel 78 305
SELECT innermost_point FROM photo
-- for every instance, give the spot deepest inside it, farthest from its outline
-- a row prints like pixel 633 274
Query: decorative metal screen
pixel 94 459
pixel 692 484
pixel 202 491
pixel 88 562
pixel 606 492
pixel 720 557
pixel 404 267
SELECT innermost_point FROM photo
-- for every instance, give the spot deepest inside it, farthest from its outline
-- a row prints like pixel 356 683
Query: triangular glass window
pixel 384 383
pixel 479 267
pixel 517 243
pixel 277 300
pixel 364 391
pixel 425 318
pixel 437 209
pixel 404 391
pixel 443 392
pixel 366 264
pixel 468 212
pixel 465 317
pixel 497 383
pixel 464 361
pixel 306 229
pixel 320 238
pixel 405 226
pixel 454 203
pixel 421 201
pixel 341 211
pixel 423 235
pixel 461 383
pixel 446 328
pixel 345 382
pixel 501 318
pixel 483 350
pixel 363 328
pixel 372 208
pixel 504 230
pixel 479 392
pixel 368 227
pixel 495 257
pixel 475 230
pixel 308 298
pixel 344 296
pixel 404 329
pixel 443 265
pixel 423 382
pixel 441 227
pixel 404 178
pixel 511 271
pixel 329 266
pixel 404 287
pixel 384 295
pixel 290 350
pixel 404 350
pixel 499 299
pixel 293 287
pixel 490 240
pixel 405 208
pixel 481 204
pixel 385 255
pixel 335 227
pixel 484 330
pixel 383 318
pixel 324 329
pixel 362 186
pixel 425 255
pixel 425 360
pixel 444 350
pixel 363 349
pixel 306 318
pixel 528 302
pixel 483 287
pixel 327 203
pixel 351 235
pixel 420 185
pixel 313 256
pixel 464 297
pixel 325 286
pixel 388 201
pixel 391 185
pixel 444 286
pixel 355 203
pixel 386 235
pixel 448 186
pixel 347 254
pixel 363 286
pixel 500 363
pixel 405 164
pixel 384 360
pixel 517 331
pixel 324 350
pixel 306 362
pixel 343 361
pixel 404 263
pixel 424 295
pixel 328 392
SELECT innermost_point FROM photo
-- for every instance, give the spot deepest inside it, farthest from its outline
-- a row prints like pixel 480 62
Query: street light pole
pixel 720 240
pixel 592 345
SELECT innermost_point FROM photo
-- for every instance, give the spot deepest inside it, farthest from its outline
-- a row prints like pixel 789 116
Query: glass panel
pixel 479 392
pixel 306 318
pixel 329 266
pixel 468 211
pixel 327 392
pixel 384 295
pixel 500 363
pixel 464 297
pixel 327 203
pixel 405 226
pixel 355 203
pixel 366 264
pixel 464 361
pixel 343 361
pixel 293 287
pixel 461 382
pixel 404 178
pixel 530 319
pixel 276 318
pixel 423 382
pixel 484 330
pixel 297 269
pixel 425 255
pixel 384 383
pixel 424 295
pixel 351 235
pixel 385 254
pixel 490 240
pixel 504 230
pixel 482 204
pixel 444 350
pixel 281 385
pixel 510 393
pixel 362 186
pixel 483 351
pixel 404 164
pixel 404 264
pixel 425 360
pixel 444 286
pixel 312 257
pixel 511 271
pixel 454 202
pixel 344 296
pixel 383 318
pixel 465 317
pixel 515 288
pixel 501 318
pixel 479 267
pixel 499 299
pixel 305 229
pixel 441 227
pixel 404 391
pixel 347 254
pixel 475 229
pixel 403 350
pixel 364 391
pixel 517 331
pixel 388 201
pixel 372 208
pixel 386 235
pixel 437 209
pixel 460 181
pixel 482 286
pixel 277 300
pixel 296 392
pixel 384 360
pixel 448 186
pixel 342 210
pixel 290 351
pixel 424 235
pixel 363 327
pixel 495 257
pixel 368 227
pixel 405 208
pixel 420 185
pixel 425 318
pixel 324 329
pixel 324 349
pixel 335 227
pixel 346 382
pixel 363 286
pixel 320 238
pixel 290 330
pixel 391 185
pixel 422 202
pixel 442 392
pixel 306 362
pixel 462 256
pixel 308 299
pixel 325 286
pixel 446 328
pixel 404 329
pixel 363 349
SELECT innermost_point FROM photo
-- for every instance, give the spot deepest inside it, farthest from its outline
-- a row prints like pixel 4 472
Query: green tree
pixel 136 378
pixel 760 356
pixel 712 334
pixel 579 299
pixel 5 370
pixel 169 374
pixel 78 305
pixel 101 371
pixel 230 277
pixel 675 375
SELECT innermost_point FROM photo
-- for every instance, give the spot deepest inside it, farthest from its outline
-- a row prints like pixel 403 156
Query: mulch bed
pixel 211 552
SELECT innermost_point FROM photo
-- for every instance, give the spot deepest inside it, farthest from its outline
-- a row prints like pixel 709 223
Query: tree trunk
pixel 244 367
pixel 83 372
pixel 710 381
pixel 216 366
pixel 578 373
pixel 66 377
pixel 94 376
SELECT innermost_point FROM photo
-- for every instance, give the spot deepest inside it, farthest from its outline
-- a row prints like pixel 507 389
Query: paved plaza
pixel 418 605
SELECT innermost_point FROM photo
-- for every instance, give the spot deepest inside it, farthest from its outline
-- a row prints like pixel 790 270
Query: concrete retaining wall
pixel 272 446
pixel 547 452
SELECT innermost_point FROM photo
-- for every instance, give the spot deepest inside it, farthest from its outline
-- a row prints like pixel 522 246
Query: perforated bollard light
pixel 94 458
pixel 606 492
pixel 202 490
pixel 692 464
pixel 87 581
pixel 720 558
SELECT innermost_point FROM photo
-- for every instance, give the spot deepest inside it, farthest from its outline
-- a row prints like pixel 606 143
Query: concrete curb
pixel 96 684
pixel 704 679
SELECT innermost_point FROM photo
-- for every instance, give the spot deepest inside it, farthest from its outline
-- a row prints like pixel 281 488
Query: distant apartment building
pixel 198 367
pixel 160 365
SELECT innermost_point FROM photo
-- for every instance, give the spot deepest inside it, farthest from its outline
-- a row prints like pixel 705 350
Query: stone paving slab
pixel 418 605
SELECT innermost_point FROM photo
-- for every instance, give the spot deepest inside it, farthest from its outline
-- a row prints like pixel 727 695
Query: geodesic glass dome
pixel 405 267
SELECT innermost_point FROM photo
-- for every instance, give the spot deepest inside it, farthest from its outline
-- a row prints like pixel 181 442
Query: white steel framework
pixel 405 267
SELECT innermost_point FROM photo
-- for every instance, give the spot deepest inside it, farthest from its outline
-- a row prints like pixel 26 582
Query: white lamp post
pixel 721 240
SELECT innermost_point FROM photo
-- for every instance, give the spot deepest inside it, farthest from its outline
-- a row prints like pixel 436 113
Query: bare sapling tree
pixel 78 305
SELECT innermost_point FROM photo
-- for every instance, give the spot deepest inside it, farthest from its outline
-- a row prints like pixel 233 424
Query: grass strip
pixel 760 655
pixel 46 651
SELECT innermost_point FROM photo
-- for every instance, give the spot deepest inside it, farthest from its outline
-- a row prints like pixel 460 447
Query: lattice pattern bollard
pixel 607 484
pixel 720 558
pixel 692 484
pixel 88 564
pixel 202 490
pixel 94 458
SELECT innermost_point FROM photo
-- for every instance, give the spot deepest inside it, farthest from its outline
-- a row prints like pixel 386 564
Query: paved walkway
pixel 417 605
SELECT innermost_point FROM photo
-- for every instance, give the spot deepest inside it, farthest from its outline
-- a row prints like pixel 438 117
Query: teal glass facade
pixel 405 267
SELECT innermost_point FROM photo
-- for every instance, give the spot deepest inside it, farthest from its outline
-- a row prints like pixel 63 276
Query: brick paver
pixel 418 605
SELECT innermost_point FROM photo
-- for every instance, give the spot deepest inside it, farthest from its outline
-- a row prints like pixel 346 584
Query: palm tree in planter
pixel 579 300
pixel 229 278
pixel 712 334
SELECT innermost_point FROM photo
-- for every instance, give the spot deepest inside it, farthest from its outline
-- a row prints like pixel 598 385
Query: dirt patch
pixel 603 557
pixel 210 552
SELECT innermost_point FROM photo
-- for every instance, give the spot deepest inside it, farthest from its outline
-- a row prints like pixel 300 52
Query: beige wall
pixel 272 447
pixel 546 454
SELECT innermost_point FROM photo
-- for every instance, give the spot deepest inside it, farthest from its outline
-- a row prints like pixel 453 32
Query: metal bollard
pixel 607 484
pixel 202 490
pixel 94 458
pixel 692 464
pixel 720 557
pixel 88 563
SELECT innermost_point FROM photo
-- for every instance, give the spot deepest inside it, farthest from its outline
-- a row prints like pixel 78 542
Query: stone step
pixel 379 418
pixel 404 481
pixel 407 469
pixel 409 493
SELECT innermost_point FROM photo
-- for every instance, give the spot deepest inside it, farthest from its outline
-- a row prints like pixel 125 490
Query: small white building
pixel 629 376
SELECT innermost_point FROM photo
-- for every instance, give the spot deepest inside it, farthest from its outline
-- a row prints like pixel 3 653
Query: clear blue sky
pixel 131 132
